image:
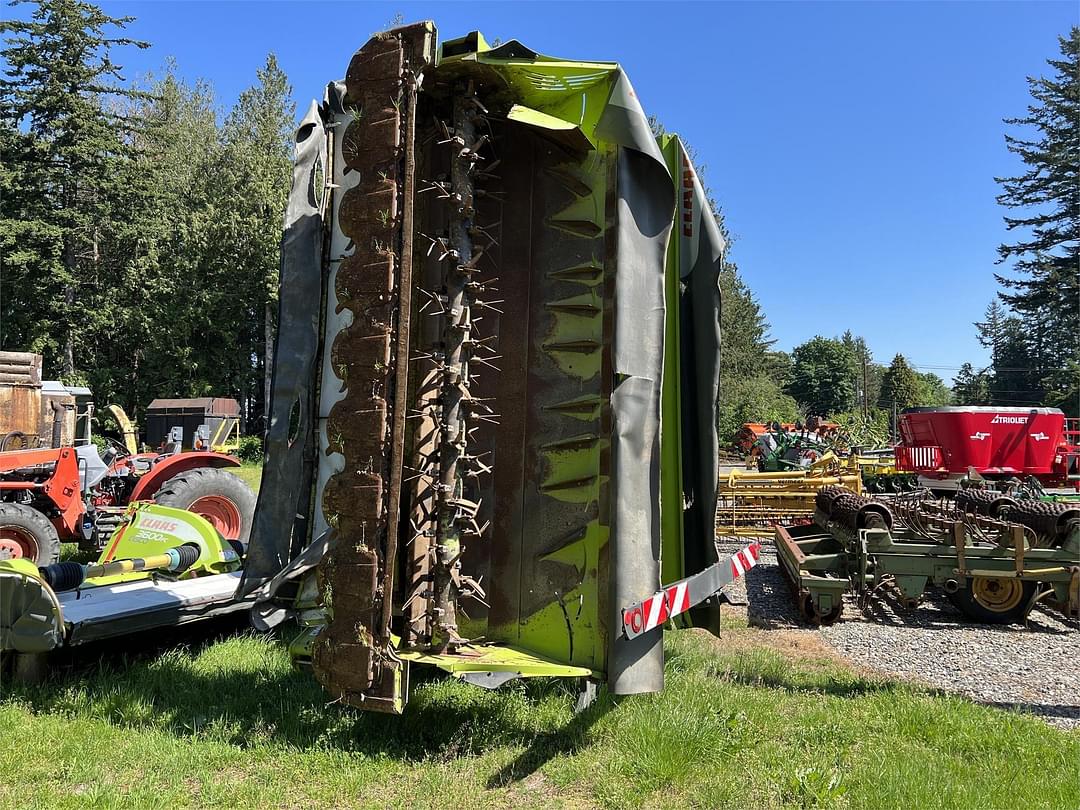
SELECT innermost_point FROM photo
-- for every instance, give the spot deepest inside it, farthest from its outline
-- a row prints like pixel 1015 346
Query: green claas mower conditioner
pixel 492 447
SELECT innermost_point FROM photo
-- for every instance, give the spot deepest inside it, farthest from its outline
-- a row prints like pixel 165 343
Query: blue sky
pixel 853 146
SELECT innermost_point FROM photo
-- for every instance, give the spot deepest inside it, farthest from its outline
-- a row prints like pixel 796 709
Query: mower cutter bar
pixel 679 597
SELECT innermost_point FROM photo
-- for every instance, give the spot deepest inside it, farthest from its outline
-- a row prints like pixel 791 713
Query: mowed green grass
pixel 228 723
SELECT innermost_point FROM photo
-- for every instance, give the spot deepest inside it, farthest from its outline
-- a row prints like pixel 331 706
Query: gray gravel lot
pixel 1032 668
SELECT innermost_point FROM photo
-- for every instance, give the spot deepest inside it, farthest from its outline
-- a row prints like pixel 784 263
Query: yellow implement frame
pixel 127 428
pixel 752 504
pixel 226 438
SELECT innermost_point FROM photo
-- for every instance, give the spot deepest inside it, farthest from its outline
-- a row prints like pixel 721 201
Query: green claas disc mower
pixel 492 445
pixel 163 567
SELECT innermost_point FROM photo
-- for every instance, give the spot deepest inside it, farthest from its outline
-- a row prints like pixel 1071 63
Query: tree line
pixel 1032 330
pixel 836 378
pixel 139 222
pixel 140 226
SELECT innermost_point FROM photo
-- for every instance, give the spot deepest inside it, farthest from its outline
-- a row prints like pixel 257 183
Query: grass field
pixel 755 720
pixel 758 719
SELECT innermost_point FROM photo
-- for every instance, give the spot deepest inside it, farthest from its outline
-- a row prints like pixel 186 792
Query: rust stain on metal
pixel 401 349
pixel 352 655
pixel 20 410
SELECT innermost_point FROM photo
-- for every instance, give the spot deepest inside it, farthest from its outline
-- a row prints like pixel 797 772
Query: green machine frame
pixel 993 569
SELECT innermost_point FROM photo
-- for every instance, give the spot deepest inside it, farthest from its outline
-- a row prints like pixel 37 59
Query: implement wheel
pixel 810 613
pixel 26 533
pixel 226 502
pixel 995 600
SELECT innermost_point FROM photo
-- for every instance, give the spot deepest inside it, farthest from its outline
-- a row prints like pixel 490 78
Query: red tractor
pixel 73 494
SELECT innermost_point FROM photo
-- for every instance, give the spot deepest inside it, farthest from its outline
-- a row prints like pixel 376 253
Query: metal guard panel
pixel 501 658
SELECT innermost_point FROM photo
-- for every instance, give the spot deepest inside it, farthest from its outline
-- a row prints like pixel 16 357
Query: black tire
pixel 1014 610
pixel 184 489
pixel 16 440
pixel 33 528
pixel 810 614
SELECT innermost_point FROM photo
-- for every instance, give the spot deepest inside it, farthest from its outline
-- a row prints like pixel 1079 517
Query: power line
pixel 987 368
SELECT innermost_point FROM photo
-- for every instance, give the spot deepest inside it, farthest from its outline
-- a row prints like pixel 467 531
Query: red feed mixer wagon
pixel 942 445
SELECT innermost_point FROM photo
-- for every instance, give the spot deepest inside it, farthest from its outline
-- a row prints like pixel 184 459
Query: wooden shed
pixel 219 418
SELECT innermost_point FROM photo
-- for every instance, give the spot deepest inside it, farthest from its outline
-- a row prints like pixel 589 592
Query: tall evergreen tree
pixel 900 387
pixel 1017 379
pixel 1014 377
pixel 1045 254
pixel 64 145
pixel 864 371
pixel 258 136
pixel 991 330
pixel 744 331
pixel 971 387
pixel 175 203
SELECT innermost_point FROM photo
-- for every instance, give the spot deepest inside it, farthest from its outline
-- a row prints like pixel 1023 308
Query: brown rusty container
pixel 33 412
pixel 20 397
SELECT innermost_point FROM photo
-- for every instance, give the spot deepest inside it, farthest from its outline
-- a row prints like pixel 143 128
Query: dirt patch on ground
pixel 804 647
pixel 794 644
pixel 536 790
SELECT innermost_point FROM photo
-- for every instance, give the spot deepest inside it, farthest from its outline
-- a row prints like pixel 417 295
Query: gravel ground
pixel 1032 668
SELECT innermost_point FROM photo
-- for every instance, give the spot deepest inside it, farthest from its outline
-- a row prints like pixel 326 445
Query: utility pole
pixel 865 394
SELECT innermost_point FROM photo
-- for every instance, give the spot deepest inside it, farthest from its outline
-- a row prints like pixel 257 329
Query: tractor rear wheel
pixel 215 494
pixel 16 440
pixel 26 532
pixel 995 600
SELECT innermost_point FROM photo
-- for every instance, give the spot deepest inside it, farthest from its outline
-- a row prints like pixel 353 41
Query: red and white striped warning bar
pixel 643 616
pixel 656 610
pixel 744 559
